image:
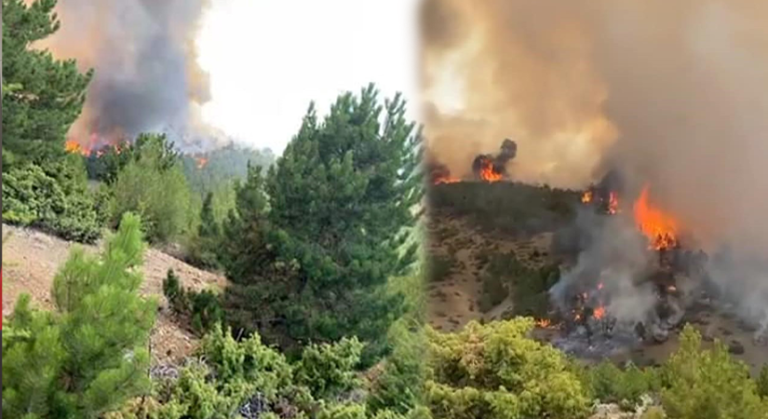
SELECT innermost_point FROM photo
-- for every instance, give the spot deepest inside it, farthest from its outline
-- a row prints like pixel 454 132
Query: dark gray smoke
pixel 672 93
pixel 146 72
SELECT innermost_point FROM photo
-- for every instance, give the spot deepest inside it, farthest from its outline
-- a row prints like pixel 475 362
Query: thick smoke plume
pixel 146 73
pixel 672 93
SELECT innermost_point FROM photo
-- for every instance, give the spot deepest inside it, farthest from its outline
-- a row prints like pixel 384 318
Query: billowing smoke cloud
pixel 670 92
pixel 146 73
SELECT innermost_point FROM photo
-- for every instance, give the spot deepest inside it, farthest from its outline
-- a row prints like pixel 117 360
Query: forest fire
pixel 72 146
pixel 487 172
pixel 660 228
pixel 201 162
pixel 614 277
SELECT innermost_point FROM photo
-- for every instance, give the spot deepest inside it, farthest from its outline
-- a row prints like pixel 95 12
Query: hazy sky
pixel 268 59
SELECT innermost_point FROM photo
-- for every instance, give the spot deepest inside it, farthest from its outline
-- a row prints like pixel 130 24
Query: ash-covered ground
pixel 503 249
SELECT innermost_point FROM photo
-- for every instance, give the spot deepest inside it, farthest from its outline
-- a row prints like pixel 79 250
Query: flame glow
pixel 613 203
pixel 201 162
pixel 487 173
pixel 446 179
pixel 660 228
pixel 587 197
pixel 599 312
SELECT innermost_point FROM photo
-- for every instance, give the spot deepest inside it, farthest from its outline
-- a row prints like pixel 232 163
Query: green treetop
pixel 45 95
pixel 339 210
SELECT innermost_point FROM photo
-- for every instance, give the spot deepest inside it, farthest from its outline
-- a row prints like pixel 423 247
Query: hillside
pixel 490 249
pixel 32 258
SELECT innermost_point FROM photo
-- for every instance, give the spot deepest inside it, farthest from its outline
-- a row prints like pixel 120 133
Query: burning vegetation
pixel 635 280
pixel 485 167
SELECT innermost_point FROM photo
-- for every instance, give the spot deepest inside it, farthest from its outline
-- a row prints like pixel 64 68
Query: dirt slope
pixel 31 259
pixel 454 298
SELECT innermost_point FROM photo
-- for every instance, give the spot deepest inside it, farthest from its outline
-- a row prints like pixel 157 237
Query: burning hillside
pixel 146 76
pixel 670 93
pixel 485 167
pixel 635 280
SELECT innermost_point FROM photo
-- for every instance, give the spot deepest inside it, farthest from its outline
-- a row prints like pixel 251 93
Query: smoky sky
pixel 672 93
pixel 142 52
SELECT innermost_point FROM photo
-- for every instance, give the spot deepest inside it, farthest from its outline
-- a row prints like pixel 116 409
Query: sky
pixel 268 59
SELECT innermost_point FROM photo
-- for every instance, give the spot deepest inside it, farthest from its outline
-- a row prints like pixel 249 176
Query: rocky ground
pixel 31 259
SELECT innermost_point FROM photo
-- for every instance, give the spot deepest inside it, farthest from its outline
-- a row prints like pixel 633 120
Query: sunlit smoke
pixel 146 73
pixel 669 93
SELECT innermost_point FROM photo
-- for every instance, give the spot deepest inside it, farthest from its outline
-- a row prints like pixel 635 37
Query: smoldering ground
pixel 672 93
pixel 146 72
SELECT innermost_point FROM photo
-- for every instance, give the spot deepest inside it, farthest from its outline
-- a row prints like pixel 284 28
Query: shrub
pixel 762 382
pixel 704 384
pixel 90 355
pixel 496 371
pixel 440 267
pixel 329 370
pixel 154 186
pixel 62 206
pixel 203 309
pixel 611 384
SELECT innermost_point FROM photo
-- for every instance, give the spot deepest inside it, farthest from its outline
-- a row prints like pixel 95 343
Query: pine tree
pixel 89 355
pixel 46 95
pixel 341 205
pixel 209 228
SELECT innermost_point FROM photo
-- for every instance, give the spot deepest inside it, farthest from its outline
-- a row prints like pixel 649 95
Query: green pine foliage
pixel 497 371
pixel 311 262
pixel 54 198
pixel 237 378
pixel 43 187
pixel 611 384
pixel 762 382
pixel 704 384
pixel 201 309
pixel 89 355
pixel 221 166
pixel 153 185
pixel 45 95
pixel 203 247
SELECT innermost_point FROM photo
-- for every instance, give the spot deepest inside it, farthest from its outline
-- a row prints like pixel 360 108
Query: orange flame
pixel 599 312
pixel 660 228
pixel 445 179
pixel 613 203
pixel 543 323
pixel 201 162
pixel 487 173
pixel 587 197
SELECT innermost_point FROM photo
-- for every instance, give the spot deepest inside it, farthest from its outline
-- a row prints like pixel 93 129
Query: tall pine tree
pixel 45 95
pixel 340 208
pixel 89 355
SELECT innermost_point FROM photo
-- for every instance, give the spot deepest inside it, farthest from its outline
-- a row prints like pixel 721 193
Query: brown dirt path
pixel 31 259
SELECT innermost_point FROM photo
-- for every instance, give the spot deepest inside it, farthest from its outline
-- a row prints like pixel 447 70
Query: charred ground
pixel 497 249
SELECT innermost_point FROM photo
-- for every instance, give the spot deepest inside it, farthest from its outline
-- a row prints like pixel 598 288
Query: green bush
pixel 704 384
pixel 496 371
pixel 203 309
pixel 762 382
pixel 610 384
pixel 311 247
pixel 329 370
pixel 440 267
pixel 89 356
pixel 528 286
pixel 399 387
pixel 154 186
pixel 61 205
